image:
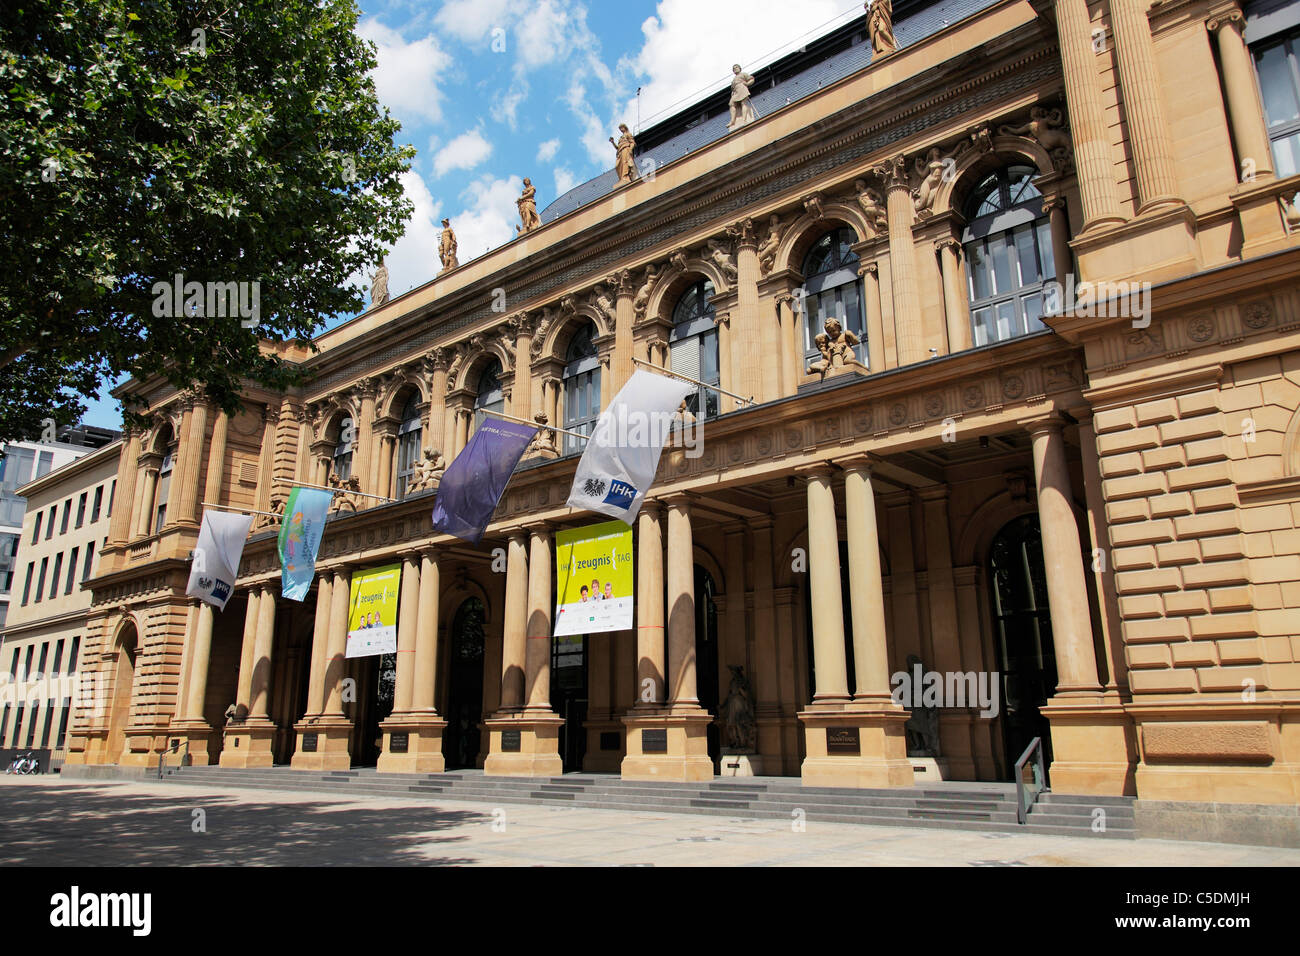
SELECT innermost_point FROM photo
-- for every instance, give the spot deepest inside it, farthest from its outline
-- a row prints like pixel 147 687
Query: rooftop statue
pixel 379 286
pixel 742 112
pixel 880 24
pixel 527 204
pixel 623 164
pixel 447 247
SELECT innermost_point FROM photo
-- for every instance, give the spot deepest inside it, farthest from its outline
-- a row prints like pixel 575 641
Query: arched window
pixel 693 346
pixel 167 445
pixel 343 449
pixel 408 443
pixel 491 397
pixel 833 291
pixel 581 387
pixel 1008 245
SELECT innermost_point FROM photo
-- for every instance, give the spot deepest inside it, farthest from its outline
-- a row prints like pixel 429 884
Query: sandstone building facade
pixel 1097 500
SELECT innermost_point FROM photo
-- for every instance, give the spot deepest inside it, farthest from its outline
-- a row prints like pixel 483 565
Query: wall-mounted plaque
pixel 398 743
pixel 610 740
pixel 654 741
pixel 843 741
pixel 510 741
pixel 309 743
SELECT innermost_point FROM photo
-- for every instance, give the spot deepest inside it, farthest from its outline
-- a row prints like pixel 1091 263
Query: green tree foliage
pixel 224 141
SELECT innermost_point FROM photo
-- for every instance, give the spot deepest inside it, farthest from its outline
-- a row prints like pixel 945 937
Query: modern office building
pixel 1052 440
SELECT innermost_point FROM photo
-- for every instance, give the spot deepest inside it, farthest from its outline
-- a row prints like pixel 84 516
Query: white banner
pixel 216 556
pixel 621 459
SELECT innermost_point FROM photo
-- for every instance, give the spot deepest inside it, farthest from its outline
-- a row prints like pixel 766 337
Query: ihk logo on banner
pixel 620 494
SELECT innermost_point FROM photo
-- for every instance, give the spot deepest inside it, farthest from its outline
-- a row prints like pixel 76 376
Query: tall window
pixel 36 528
pixel 1008 246
pixel 44 464
pixel 1279 82
pixel 491 397
pixel 343 450
pixel 99 500
pixel 81 509
pixel 40 578
pixel 16 467
pixel 581 388
pixel 27 583
pixel 72 570
pixel 49 521
pixel 164 489
pixel 54 578
pixel 408 443
pixel 834 292
pixel 8 561
pixel 693 346
pixel 90 557
pixel 67 513
pixel 112 492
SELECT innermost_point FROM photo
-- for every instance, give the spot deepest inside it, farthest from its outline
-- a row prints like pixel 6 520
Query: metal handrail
pixel 171 750
pixel 1027 796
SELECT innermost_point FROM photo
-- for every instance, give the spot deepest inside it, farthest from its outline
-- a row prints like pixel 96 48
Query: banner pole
pixel 242 511
pixel 521 421
pixel 694 381
pixel 337 491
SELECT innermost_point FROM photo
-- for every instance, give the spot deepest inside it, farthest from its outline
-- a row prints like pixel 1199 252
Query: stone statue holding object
pixel 447 247
pixel 527 204
pixel 880 24
pixel 742 112
pixel 379 286
pixel 836 345
pixel 736 715
pixel 623 164
pixel 427 471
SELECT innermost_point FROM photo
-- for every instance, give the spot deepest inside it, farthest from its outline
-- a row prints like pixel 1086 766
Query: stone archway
pixel 125 650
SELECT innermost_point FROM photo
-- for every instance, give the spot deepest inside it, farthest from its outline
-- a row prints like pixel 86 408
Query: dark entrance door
pixel 569 696
pixel 461 739
pixel 376 679
pixel 706 656
pixel 1023 630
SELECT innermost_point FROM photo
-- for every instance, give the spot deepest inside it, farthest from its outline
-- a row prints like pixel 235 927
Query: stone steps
pixel 979 808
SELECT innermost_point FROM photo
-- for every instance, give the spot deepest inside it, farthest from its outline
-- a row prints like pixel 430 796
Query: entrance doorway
pixel 569 697
pixel 376 681
pixel 123 685
pixel 1022 628
pixel 706 657
pixel 462 738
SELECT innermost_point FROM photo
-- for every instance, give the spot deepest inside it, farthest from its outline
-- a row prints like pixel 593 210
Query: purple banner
pixel 473 484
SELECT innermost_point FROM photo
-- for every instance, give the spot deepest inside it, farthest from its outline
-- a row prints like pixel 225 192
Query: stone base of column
pixel 1093 747
pixel 598 759
pixel 89 749
pixel 677 748
pixel 1165 247
pixel 955 737
pixel 421 752
pixel 144 747
pixel 1258 210
pixel 250 744
pixel 831 738
pixel 535 752
pixel 323 744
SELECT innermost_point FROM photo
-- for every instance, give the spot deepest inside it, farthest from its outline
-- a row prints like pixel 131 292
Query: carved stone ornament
pixel 771 242
pixel 1046 127
pixel 836 346
pixel 427 471
pixel 641 301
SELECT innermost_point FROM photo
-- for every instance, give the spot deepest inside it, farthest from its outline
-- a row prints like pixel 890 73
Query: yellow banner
pixel 372 611
pixel 593 579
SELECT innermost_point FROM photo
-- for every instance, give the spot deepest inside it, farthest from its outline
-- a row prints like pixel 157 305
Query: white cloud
pixel 673 73
pixel 546 152
pixel 464 152
pixel 564 181
pixel 408 73
pixel 414 258
pixel 489 218
pixel 471 21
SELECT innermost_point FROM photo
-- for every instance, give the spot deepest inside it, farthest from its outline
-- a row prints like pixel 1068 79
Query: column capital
pixel 429 552
pixel 951 244
pixel 679 500
pixel 538 528
pixel 1231 17
pixel 864 462
pixel 1051 422
pixel 818 469
pixel 652 506
pixel 871 268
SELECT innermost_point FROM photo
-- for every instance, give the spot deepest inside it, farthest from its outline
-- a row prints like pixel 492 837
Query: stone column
pixel 624 317
pixel 407 622
pixel 537 651
pixel 722 322
pixel 649 608
pixel 363 447
pixel 387 452
pixel 119 527
pixel 876 359
pixel 324 738
pixel 866 591
pixel 1059 223
pixel 258 696
pixel 337 645
pixel 522 325
pixel 191 453
pixel 436 364
pixel 304 467
pixel 954 296
pixel 683 692
pixel 319 645
pixel 824 584
pixel 1148 133
pixel 426 634
pixel 180 463
pixel 909 329
pixel 515 624
pixel 766 660
pixel 266 463
pixel 149 463
pixel 202 652
pixel 463 417
pixel 788 353
pixel 747 359
pixel 1089 128
pixel 247 654
pixel 1245 112
pixel 1067 593
pixel 216 459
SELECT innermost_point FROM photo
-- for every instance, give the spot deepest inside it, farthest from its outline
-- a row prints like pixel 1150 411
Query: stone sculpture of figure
pixel 722 259
pixel 345 497
pixel 741 110
pixel 922 728
pixel 641 301
pixel 836 345
pixel 527 204
pixel 880 24
pixel 1044 127
pixel 736 715
pixel 379 286
pixel 427 471
pixel 931 170
pixel 447 247
pixel 544 442
pixel 767 248
pixel 873 205
pixel 623 164
pixel 602 303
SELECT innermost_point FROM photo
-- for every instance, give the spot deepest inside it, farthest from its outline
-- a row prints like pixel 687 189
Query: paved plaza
pixel 48 821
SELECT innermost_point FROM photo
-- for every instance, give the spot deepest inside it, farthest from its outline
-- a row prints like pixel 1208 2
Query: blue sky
pixel 491 91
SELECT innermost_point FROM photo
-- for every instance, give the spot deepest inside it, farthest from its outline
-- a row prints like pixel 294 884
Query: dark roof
pixel 820 63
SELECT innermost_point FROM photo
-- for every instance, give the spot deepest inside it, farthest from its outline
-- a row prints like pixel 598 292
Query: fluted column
pixel 649 607
pixel 266 463
pixel 866 589
pixel 788 353
pixel 150 464
pixel 1059 224
pixel 1067 592
pixel 437 363
pixel 683 694
pixel 426 634
pixel 955 308
pixel 515 624
pixel 336 648
pixel 387 448
pixel 247 651
pixel 1245 112
pixel 537 651
pixel 119 527
pixel 259 690
pixel 216 459
pixel 909 330
pixel 1089 129
pixel 201 654
pixel 191 453
pixel 522 325
pixel 363 450
pixel 824 584
pixel 407 621
pixel 319 644
pixel 876 358
pixel 624 318
pixel 751 375
pixel 463 417
pixel 1148 132
pixel 722 322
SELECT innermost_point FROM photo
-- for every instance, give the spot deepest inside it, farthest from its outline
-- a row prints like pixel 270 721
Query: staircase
pixel 973 806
